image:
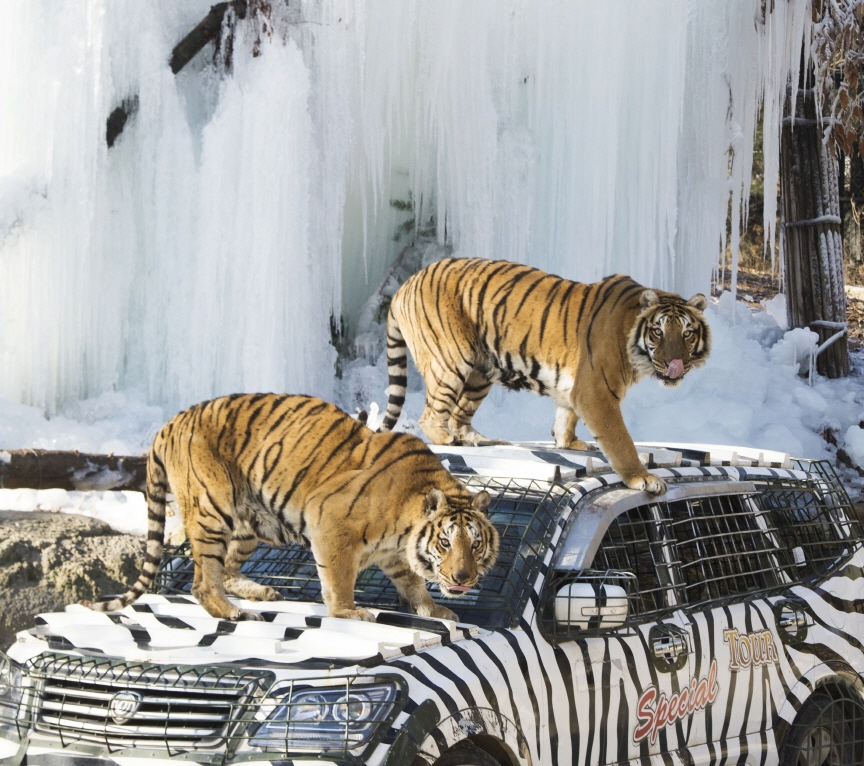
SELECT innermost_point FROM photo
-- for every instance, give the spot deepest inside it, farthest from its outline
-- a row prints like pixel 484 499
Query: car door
pixel 731 565
pixel 627 679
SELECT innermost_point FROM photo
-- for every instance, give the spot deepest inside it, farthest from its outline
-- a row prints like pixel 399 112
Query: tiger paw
pixel 467 436
pixel 578 444
pixel 354 614
pixel 243 615
pixel 266 593
pixel 443 613
pixel 653 485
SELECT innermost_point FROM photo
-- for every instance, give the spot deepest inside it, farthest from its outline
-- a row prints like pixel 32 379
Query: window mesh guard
pixel 524 512
pixel 705 551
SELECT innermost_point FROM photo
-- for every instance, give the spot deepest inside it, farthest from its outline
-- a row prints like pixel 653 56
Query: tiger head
pixel 455 543
pixel 670 337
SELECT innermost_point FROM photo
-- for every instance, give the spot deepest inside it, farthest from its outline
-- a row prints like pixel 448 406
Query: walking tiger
pixel 470 323
pixel 294 469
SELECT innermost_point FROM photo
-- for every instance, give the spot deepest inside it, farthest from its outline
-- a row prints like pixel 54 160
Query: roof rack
pixel 542 461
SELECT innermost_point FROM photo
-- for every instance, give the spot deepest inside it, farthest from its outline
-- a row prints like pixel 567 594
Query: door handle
pixel 792 621
pixel 669 647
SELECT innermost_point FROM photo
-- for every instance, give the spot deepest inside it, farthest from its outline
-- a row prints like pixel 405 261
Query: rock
pixel 48 560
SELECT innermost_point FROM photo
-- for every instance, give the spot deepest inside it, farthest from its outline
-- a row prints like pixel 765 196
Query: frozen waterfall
pixel 247 207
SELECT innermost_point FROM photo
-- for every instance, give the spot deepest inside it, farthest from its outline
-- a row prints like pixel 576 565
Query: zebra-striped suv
pixel 718 624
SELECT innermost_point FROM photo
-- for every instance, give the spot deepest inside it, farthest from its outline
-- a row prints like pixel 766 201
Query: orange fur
pixel 470 323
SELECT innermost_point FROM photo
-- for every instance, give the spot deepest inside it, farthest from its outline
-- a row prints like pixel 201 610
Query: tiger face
pixel 670 337
pixel 456 544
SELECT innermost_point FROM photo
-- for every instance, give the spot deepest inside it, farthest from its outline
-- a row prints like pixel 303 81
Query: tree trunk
pixel 50 469
pixel 813 247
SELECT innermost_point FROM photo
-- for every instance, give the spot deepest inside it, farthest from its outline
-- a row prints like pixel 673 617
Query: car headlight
pixel 11 692
pixel 342 717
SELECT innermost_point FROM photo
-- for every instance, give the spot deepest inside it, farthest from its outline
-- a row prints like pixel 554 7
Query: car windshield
pixel 524 512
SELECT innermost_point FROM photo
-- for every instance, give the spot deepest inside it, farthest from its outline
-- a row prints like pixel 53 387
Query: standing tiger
pixel 470 323
pixel 295 469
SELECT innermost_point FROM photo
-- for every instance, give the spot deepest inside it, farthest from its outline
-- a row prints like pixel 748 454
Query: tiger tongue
pixel 675 369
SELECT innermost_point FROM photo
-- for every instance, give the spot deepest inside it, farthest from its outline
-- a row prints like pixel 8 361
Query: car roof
pixel 541 461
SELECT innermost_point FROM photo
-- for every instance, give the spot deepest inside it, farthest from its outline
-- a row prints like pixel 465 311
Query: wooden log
pixel 812 239
pixel 207 30
pixel 52 469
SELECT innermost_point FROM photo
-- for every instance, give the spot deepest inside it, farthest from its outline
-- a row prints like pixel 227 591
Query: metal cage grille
pixel 119 704
pixel 175 709
pixel 525 512
pixel 635 542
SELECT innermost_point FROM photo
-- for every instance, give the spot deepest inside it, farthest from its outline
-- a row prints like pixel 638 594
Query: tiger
pixel 292 469
pixel 470 323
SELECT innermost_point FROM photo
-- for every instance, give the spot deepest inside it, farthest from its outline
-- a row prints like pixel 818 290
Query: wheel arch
pixel 485 729
pixel 834 677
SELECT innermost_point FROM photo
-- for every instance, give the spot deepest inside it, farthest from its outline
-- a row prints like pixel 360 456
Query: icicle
pixel 207 250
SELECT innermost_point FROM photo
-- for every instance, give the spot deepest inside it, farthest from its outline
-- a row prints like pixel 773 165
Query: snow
pixel 855 444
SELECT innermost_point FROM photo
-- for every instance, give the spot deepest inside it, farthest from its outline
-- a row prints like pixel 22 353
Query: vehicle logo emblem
pixel 124 705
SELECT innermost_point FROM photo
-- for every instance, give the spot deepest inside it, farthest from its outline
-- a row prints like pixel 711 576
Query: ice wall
pixel 245 204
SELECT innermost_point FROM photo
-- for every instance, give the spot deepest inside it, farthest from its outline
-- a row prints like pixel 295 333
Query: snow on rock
pixel 119 423
pixel 125 512
pixel 795 348
pixel 776 308
pixel 855 444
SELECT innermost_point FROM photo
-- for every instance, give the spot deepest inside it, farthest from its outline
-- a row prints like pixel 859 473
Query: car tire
pixel 824 734
pixel 466 755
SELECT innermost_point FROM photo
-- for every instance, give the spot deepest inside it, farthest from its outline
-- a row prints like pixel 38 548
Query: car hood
pixel 176 629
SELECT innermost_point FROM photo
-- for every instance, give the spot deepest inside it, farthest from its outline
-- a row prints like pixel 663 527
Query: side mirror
pixel 590 606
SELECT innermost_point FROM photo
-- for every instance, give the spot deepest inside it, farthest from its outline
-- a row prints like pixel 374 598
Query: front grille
pixel 139 705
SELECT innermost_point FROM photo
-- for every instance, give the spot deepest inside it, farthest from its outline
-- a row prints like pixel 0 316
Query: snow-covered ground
pixel 748 394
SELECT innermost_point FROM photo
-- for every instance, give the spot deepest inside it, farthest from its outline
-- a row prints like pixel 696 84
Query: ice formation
pixel 246 207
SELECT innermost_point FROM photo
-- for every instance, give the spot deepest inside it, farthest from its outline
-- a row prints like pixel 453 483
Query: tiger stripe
pixel 295 469
pixel 470 323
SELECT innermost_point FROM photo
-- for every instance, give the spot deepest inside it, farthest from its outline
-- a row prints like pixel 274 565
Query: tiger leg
pixel 241 547
pixel 604 420
pixel 206 520
pixel 474 392
pixel 564 429
pixel 412 588
pixel 443 390
pixel 337 570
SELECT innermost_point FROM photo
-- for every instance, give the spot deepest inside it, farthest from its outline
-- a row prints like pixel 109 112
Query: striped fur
pixel 470 323
pixel 295 469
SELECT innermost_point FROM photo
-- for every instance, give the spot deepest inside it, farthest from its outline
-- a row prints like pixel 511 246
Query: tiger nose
pixel 460 577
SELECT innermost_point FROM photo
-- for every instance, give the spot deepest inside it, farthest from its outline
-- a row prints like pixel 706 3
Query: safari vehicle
pixel 720 623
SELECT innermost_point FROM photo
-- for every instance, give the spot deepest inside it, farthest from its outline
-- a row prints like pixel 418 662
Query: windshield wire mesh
pixel 524 512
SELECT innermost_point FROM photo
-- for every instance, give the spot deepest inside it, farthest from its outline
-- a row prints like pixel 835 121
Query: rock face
pixel 48 560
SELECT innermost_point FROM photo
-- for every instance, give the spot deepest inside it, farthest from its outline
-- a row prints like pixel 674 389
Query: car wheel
pixel 466 755
pixel 826 732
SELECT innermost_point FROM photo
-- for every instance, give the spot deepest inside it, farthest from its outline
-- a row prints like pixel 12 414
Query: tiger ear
pixel 436 501
pixel 698 301
pixel 649 298
pixel 481 502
